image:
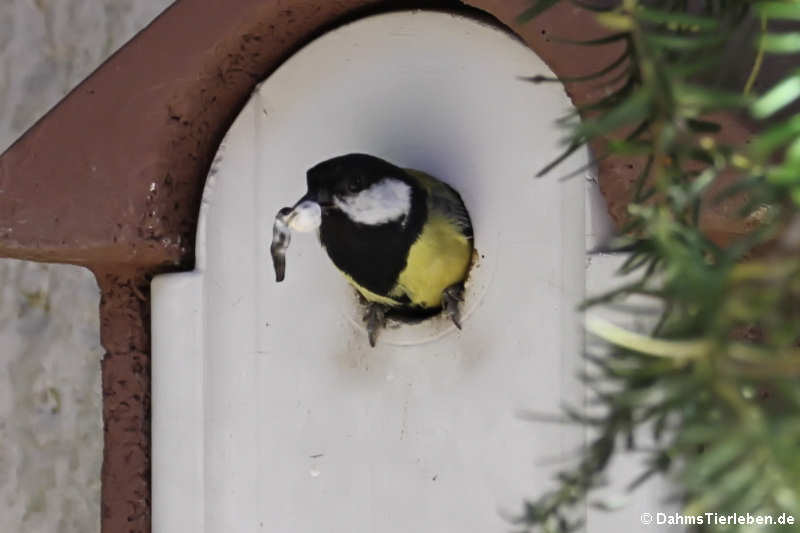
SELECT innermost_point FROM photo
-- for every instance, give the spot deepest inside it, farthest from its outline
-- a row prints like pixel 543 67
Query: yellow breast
pixel 439 258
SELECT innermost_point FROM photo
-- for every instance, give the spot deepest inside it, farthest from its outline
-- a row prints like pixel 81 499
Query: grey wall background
pixel 51 439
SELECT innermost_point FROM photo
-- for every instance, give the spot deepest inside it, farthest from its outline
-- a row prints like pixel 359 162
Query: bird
pixel 402 238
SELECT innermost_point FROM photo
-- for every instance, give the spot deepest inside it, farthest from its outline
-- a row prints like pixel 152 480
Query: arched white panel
pixel 270 410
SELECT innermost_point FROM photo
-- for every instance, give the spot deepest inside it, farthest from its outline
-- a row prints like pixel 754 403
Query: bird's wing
pixel 444 200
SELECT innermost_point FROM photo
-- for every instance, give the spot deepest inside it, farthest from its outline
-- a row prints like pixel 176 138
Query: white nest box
pixel 271 412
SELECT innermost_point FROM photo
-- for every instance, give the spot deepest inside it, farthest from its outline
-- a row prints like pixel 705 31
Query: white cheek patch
pixel 385 201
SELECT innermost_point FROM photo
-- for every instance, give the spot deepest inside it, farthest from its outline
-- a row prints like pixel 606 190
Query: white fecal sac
pixel 307 216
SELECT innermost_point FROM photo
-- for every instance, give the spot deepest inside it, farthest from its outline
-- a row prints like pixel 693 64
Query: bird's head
pixel 366 189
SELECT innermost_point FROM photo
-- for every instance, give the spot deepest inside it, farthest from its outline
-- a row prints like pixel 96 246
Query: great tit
pixel 402 238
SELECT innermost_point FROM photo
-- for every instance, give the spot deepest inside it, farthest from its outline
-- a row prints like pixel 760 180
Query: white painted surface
pixel 270 410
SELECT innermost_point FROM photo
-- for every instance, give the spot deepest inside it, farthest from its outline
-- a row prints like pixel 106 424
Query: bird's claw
pixel 451 298
pixel 375 319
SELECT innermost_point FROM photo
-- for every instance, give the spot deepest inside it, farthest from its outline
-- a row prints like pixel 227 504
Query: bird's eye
pixel 355 184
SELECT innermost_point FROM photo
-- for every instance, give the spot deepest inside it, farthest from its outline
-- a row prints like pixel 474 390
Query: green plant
pixel 716 380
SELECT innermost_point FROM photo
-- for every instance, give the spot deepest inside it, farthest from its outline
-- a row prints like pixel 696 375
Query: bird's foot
pixel 375 319
pixel 452 296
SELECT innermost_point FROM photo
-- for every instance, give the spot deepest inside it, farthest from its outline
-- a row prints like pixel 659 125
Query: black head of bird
pixel 402 238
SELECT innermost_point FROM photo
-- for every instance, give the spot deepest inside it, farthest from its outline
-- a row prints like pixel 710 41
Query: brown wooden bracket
pixel 111 178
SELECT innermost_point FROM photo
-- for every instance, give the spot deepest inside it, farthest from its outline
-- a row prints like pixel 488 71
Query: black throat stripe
pixel 373 256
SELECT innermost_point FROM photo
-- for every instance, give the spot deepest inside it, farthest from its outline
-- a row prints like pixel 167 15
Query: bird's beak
pixel 323 198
